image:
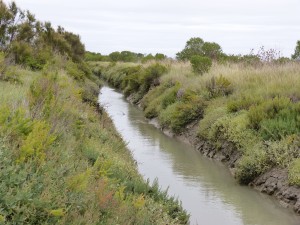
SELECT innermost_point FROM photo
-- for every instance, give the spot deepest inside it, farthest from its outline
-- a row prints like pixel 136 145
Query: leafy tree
pixel 296 54
pixel 147 58
pixel 115 56
pixel 127 56
pixel 92 56
pixel 160 56
pixel 193 47
pixel 212 50
pixel 10 18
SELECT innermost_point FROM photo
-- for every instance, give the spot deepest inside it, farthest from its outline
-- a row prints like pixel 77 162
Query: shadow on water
pixel 205 187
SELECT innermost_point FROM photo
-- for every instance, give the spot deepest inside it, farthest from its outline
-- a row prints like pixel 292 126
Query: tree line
pixel 28 41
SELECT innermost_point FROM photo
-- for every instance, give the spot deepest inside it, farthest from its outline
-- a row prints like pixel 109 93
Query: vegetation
pixel 124 56
pixel 252 102
pixel 200 64
pixel 62 162
pixel 197 47
pixel 296 54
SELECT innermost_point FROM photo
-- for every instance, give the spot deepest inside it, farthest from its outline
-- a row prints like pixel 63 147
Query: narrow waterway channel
pixel 206 188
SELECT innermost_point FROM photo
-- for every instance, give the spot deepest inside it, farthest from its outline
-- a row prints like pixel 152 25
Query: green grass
pixel 62 162
pixel 256 107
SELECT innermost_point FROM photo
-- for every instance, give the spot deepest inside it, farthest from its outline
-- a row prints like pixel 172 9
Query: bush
pixel 161 102
pixel 275 118
pixel 180 114
pixel 74 71
pixel 37 142
pixel 251 165
pixel 200 64
pixel 286 122
pixel 267 109
pixel 151 76
pixel 219 86
pixel 243 102
pixel 282 153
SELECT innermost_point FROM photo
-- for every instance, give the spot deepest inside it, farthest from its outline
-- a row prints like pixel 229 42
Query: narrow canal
pixel 205 187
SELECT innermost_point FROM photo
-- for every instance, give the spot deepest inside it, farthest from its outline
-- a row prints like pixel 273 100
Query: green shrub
pixel 275 118
pixel 14 124
pixel 11 74
pixel 285 122
pixel 43 96
pixel 219 86
pixel 89 92
pixel 151 76
pixel 210 117
pixel 243 102
pixel 74 71
pixel 251 165
pixel 161 102
pixel 180 114
pixel 283 152
pixel 37 142
pixel 234 128
pixel 200 64
pixel 267 110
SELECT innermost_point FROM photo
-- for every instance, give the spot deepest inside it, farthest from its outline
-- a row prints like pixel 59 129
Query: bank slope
pixel 63 162
pixel 247 115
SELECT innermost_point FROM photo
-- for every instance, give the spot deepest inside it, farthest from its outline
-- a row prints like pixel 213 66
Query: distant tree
pixel 92 56
pixel 115 56
pixel 193 47
pixel 127 56
pixel 160 56
pixel 296 54
pixel 212 50
pixel 147 58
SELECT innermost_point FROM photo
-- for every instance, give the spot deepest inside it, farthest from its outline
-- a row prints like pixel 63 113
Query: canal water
pixel 205 187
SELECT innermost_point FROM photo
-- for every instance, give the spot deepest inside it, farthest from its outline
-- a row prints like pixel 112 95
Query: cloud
pixel 165 25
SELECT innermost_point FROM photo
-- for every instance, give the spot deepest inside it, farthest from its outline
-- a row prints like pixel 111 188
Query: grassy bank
pixel 61 160
pixel 255 106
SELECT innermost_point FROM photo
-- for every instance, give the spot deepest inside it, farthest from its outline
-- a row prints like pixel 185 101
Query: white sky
pixel 165 25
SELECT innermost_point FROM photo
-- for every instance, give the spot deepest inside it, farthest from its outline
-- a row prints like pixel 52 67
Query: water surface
pixel 205 187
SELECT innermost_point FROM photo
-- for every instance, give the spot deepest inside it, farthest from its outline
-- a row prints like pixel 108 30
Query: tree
pixel 296 54
pixel 160 56
pixel 212 50
pixel 193 47
pixel 115 56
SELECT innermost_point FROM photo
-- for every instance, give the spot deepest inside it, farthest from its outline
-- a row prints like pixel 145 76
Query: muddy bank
pixel 273 182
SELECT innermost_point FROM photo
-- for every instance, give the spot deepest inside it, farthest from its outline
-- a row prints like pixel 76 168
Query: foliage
pixel 200 64
pixel 92 56
pixel 296 54
pixel 196 46
pixel 179 114
pixel 251 165
pixel 212 50
pixel 193 47
pixel 62 160
pixel 219 86
pixel 275 118
pixel 162 101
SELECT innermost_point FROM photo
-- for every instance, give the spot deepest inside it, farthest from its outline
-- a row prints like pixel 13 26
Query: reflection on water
pixel 205 187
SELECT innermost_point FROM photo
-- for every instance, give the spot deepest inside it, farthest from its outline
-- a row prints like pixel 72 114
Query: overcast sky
pixel 165 25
